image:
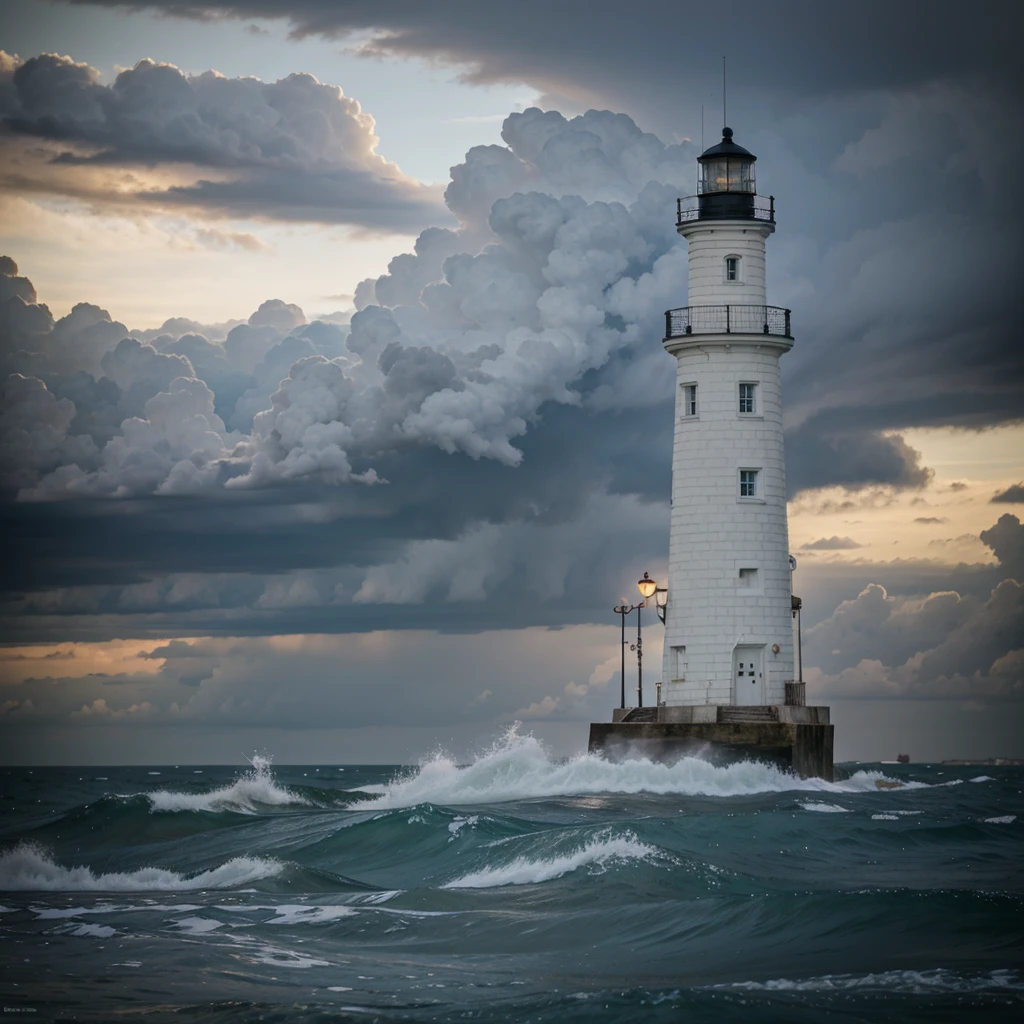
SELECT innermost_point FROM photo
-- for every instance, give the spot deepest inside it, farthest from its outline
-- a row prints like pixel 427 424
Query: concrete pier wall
pixel 801 747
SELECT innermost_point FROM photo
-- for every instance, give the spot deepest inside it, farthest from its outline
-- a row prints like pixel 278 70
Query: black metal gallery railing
pixel 725 205
pixel 732 319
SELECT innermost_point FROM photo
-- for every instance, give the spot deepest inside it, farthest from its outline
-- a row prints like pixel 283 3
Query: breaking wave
pixel 518 767
pixel 528 871
pixel 248 794
pixel 28 868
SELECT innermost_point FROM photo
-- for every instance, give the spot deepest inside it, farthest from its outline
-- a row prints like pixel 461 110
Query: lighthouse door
pixel 748 674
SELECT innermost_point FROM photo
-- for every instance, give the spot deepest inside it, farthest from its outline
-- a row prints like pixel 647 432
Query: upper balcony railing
pixel 743 205
pixel 733 319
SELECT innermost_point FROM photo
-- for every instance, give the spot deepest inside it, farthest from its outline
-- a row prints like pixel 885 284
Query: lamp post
pixel 623 610
pixel 648 588
pixel 639 648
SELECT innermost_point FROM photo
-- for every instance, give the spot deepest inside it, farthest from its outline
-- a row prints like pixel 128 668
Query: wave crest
pixel 527 871
pixel 28 868
pixel 248 794
pixel 518 767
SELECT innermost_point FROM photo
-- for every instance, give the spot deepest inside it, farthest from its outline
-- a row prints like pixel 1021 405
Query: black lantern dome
pixel 725 185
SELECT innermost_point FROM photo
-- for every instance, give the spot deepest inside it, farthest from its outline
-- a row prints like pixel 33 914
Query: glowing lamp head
pixel 647 586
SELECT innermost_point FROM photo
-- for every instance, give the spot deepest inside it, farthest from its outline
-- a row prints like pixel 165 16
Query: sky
pixel 335 414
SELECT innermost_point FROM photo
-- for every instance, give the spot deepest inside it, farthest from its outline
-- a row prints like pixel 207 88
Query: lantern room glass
pixel 726 174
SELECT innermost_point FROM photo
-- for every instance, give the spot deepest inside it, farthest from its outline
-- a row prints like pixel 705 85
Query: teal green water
pixel 516 888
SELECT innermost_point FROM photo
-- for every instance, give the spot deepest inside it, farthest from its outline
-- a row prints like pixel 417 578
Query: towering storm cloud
pixel 489 430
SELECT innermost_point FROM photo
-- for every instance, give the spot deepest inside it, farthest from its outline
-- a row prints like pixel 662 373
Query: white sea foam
pixel 457 824
pixel 518 767
pixel 595 855
pixel 197 925
pixel 981 778
pixel 28 868
pixel 1005 819
pixel 824 808
pixel 891 981
pixel 95 931
pixel 885 817
pixel 249 793
pixel 301 913
pixel 49 913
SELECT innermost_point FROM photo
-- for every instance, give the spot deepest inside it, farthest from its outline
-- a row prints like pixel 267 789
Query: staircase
pixel 753 713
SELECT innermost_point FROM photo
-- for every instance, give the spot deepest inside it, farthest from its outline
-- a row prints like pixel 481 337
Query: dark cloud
pixel 1006 539
pixel 294 149
pixel 944 645
pixel 834 49
pixel 505 377
pixel 1014 494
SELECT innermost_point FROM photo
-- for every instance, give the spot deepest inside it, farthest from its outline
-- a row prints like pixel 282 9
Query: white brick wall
pixel 709 247
pixel 713 532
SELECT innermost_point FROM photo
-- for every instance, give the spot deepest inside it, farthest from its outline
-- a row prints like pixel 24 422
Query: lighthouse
pixel 731 673
pixel 728 620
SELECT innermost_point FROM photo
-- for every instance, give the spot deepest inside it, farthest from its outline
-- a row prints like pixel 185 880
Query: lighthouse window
pixel 748 578
pixel 748 483
pixel 732 268
pixel 689 399
pixel 748 398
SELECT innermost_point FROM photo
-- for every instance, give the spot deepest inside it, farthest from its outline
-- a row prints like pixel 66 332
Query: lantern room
pixel 725 183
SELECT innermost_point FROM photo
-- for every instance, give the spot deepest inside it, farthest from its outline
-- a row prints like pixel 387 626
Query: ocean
pixel 513 888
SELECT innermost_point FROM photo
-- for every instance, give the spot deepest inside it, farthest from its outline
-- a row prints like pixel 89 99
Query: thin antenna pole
pixel 725 116
pixel 702 127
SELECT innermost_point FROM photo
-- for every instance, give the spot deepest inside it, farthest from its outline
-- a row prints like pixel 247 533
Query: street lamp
pixel 648 588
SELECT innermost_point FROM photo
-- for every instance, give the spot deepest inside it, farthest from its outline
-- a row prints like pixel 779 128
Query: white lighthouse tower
pixel 731 680
pixel 729 616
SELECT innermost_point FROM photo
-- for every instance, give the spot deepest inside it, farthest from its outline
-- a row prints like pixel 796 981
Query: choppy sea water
pixel 515 888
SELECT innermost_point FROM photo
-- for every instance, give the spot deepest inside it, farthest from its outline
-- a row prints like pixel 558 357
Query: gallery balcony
pixel 725 204
pixel 732 319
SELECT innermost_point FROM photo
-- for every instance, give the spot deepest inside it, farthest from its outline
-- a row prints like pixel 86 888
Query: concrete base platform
pixel 801 747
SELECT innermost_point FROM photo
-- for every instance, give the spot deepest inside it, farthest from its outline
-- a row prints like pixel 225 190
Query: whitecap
pixel 982 778
pixel 528 871
pixel 1005 819
pixel 825 808
pixel 28 868
pixel 884 817
pixel 248 794
pixel 457 824
pixel 518 767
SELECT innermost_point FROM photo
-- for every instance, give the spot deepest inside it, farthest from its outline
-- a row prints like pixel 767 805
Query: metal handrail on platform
pixel 730 319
